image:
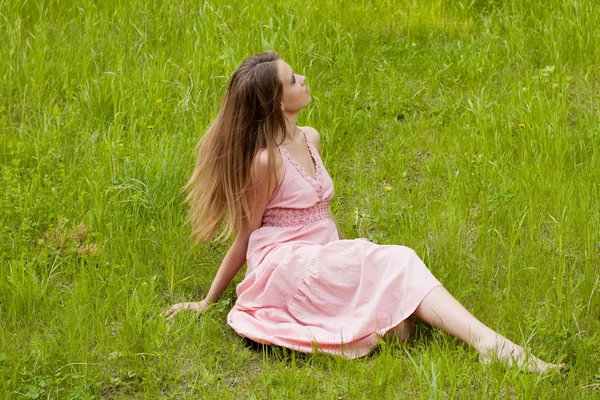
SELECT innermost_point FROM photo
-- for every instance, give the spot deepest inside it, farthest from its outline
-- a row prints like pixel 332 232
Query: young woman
pixel 306 286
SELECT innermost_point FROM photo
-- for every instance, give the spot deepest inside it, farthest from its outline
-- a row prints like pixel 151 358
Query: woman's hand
pixel 196 307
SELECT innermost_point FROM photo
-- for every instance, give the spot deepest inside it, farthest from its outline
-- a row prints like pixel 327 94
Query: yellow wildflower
pixel 521 125
pixel 388 188
pixel 150 126
pixel 158 100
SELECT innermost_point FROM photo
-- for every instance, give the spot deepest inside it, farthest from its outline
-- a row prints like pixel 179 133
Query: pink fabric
pixel 305 289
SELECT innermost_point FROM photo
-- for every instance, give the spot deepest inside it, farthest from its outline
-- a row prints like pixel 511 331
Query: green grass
pixel 481 116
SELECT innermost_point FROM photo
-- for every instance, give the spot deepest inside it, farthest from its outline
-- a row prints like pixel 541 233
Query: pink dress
pixel 306 289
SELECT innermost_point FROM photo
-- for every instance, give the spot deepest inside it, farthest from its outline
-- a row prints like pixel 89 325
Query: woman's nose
pixel 302 79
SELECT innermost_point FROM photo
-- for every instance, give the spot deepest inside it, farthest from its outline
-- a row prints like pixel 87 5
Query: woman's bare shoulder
pixel 313 135
pixel 261 164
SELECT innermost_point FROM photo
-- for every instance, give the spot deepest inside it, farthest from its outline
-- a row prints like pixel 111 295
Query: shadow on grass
pixel 424 336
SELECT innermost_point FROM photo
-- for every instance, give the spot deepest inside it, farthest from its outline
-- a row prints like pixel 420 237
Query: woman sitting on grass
pixel 306 286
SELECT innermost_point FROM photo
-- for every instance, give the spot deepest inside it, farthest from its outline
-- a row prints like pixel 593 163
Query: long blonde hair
pixel 250 120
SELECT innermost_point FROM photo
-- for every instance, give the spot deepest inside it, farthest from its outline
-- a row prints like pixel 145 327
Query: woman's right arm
pixel 236 256
pixel 232 263
pixel 259 196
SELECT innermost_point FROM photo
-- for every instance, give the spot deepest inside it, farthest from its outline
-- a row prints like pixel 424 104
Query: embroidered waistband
pixel 281 216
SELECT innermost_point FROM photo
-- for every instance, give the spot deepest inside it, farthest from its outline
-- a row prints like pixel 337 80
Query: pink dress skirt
pixel 305 289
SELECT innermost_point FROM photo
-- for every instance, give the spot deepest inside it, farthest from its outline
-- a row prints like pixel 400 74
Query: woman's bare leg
pixel 440 309
pixel 404 331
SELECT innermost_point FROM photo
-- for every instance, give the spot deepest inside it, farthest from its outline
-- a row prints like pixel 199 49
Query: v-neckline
pixel 299 166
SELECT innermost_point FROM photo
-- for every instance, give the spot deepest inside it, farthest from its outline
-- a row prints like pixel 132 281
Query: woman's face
pixel 296 95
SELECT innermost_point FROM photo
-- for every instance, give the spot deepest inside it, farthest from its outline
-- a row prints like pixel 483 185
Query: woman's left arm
pixel 315 138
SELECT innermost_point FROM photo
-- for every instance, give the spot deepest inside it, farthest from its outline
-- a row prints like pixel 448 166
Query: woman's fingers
pixel 172 312
pixel 176 308
pixel 169 311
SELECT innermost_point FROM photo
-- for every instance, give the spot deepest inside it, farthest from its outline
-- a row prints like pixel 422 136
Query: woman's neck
pixel 293 133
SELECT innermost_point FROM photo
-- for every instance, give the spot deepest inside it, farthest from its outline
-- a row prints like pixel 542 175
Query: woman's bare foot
pixel 514 355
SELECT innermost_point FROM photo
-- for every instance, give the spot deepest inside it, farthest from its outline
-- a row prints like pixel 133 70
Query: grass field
pixel 468 131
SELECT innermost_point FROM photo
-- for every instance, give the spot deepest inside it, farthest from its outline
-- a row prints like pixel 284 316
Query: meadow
pixel 467 130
